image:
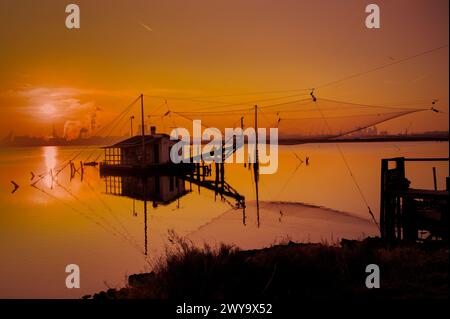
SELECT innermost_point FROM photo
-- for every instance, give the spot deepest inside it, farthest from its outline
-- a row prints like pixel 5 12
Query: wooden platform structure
pixel 406 214
pixel 146 170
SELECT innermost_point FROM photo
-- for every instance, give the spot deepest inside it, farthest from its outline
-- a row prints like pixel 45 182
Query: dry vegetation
pixel 291 270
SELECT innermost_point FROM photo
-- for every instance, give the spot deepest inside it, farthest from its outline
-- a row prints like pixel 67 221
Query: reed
pixel 293 270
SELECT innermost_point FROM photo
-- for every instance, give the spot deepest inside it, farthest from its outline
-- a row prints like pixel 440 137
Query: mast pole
pixel 143 129
pixel 256 135
pixel 256 165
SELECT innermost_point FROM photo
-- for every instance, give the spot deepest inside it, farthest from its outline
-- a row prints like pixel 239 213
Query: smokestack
pixel 152 130
pixel 82 131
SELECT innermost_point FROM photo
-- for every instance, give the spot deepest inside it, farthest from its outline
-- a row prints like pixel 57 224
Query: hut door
pixel 156 153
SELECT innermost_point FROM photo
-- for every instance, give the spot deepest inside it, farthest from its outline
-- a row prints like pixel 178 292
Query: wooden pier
pixel 407 214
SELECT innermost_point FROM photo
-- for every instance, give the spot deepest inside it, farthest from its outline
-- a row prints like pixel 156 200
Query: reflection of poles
pixel 144 188
pixel 256 165
pixel 216 184
pixel 82 170
pixel 145 227
pixel 257 194
pixel 72 169
pixel 197 165
pixel 134 208
pixel 52 179
pixel 222 171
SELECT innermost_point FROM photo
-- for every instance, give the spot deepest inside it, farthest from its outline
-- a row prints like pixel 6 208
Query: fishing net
pixel 305 119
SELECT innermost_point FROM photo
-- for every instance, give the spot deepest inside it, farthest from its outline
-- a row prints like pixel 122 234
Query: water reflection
pixel 166 189
pixel 160 190
pixel 50 154
pixel 38 227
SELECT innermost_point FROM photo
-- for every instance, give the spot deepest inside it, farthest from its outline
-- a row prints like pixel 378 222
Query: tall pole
pixel 256 166
pixel 257 141
pixel 131 125
pixel 143 130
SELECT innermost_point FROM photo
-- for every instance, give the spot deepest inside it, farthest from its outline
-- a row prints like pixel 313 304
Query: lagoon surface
pixel 66 221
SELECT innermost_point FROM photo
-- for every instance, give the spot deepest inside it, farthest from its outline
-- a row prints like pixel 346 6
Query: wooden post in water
pixel 82 170
pixel 222 170
pixel 197 165
pixel 72 169
pixel 401 218
pixel 217 178
pixel 434 178
pixel 384 168
pixel 204 170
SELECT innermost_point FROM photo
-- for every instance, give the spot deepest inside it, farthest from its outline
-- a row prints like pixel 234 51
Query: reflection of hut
pixel 158 189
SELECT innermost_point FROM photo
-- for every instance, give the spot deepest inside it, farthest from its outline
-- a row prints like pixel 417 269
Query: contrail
pixel 146 27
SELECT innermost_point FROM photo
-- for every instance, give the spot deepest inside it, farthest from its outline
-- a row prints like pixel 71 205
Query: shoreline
pixel 293 270
pixel 284 141
pixel 280 221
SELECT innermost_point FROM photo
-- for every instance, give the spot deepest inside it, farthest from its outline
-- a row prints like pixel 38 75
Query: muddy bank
pixel 280 222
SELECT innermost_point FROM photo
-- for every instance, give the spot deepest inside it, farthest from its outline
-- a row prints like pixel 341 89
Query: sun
pixel 48 109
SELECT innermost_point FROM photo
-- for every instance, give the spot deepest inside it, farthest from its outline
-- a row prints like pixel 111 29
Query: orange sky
pixel 52 75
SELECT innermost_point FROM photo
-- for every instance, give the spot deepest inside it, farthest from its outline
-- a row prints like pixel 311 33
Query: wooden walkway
pixel 407 213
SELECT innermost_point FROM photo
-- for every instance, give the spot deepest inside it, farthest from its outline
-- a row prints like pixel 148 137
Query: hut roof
pixel 137 141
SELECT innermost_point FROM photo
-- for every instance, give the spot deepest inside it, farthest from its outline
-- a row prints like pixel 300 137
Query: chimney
pixel 152 130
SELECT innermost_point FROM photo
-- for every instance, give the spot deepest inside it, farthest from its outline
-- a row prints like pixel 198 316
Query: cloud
pixel 52 103
pixel 39 107
pixel 69 106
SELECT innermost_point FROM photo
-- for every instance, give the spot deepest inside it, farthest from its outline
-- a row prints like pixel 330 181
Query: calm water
pixel 72 221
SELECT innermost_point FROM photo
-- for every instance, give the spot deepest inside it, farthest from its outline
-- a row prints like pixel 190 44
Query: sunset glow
pixel 249 46
pixel 48 109
pixel 258 155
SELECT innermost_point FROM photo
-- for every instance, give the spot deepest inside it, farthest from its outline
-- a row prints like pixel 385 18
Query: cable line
pixel 383 66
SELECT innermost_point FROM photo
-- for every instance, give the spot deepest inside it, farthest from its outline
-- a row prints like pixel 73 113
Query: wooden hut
pixel 140 154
